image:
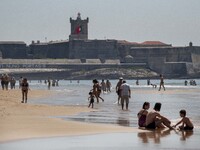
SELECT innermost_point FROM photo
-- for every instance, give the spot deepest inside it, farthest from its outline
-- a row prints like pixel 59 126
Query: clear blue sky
pixel 175 22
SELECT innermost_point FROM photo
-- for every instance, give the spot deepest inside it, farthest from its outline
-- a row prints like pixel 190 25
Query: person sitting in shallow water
pixel 155 120
pixel 186 122
pixel 142 114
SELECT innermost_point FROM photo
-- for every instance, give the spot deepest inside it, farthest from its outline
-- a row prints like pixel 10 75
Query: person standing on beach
pixel 125 94
pixel 155 120
pixel 25 88
pixel 6 81
pixel 161 82
pixel 118 90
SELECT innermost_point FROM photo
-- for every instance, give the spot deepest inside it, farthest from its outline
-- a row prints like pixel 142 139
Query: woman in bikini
pixel 142 114
pixel 25 88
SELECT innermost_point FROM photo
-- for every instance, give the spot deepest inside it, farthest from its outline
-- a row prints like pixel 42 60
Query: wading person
pixel 142 114
pixel 97 90
pixel 125 94
pixel 161 82
pixel 91 99
pixel 118 90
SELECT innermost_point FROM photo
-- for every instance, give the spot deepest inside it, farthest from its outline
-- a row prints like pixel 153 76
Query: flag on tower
pixel 78 29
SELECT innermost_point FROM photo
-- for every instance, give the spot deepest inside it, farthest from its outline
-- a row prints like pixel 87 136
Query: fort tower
pixel 79 28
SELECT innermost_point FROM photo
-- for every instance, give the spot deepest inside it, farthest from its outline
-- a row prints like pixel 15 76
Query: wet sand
pixel 153 140
pixel 22 121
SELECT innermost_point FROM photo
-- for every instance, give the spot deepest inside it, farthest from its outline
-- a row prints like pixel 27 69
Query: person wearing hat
pixel 118 90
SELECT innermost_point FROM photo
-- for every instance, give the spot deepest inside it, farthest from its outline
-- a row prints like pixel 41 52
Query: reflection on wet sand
pixel 156 135
pixel 185 135
pixel 123 121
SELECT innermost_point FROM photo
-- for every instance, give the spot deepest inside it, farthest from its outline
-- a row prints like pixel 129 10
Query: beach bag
pixel 142 120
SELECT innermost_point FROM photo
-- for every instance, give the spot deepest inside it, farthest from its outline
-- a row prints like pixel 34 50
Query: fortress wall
pixel 57 61
pixel 49 50
pixel 40 61
pixel 172 54
pixel 156 63
pixel 160 65
pixel 38 51
pixel 93 49
pixel 58 50
pixel 13 50
pixel 175 68
pixel 196 61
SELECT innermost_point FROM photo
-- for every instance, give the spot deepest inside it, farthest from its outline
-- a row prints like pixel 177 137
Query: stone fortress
pixel 155 55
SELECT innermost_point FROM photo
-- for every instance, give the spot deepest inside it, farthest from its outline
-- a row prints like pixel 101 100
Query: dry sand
pixel 22 121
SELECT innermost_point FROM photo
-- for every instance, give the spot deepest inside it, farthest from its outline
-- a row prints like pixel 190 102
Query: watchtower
pixel 79 28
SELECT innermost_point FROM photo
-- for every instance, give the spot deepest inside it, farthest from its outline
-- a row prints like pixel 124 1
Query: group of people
pixel 5 80
pixel 161 85
pixel 153 119
pixel 97 89
pixel 122 89
pixel 105 86
pixel 23 85
pixel 192 82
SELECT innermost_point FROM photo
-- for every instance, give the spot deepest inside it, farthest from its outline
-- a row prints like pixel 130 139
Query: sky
pixel 175 22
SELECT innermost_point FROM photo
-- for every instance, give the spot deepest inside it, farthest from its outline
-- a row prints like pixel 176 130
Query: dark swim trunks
pixel 92 100
pixel 188 128
pixel 151 126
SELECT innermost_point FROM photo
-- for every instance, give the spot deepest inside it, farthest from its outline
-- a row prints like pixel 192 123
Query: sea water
pixel 176 97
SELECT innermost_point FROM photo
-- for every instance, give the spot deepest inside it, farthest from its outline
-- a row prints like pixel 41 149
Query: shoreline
pixel 27 121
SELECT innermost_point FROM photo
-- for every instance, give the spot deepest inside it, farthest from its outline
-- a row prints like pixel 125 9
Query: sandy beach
pixel 23 121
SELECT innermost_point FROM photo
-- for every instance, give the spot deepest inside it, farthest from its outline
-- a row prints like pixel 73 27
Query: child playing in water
pixel 91 99
pixel 186 123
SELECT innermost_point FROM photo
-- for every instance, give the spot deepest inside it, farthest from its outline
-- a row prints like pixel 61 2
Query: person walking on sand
pixel 142 114
pixel 25 88
pixel 118 90
pixel 125 94
pixel 155 120
pixel 161 82
pixel 186 122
